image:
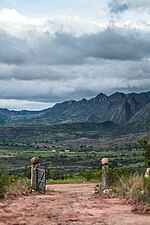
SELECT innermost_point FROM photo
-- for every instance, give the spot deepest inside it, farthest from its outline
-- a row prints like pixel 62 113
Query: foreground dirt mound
pixel 68 204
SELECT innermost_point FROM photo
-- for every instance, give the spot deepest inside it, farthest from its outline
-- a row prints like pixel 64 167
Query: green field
pixel 68 158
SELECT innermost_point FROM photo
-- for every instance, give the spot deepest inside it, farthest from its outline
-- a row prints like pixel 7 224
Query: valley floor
pixel 68 204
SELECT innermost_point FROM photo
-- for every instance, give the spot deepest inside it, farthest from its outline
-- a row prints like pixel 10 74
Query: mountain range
pixel 119 108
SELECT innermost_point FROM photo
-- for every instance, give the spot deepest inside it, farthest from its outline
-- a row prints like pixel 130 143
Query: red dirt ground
pixel 68 204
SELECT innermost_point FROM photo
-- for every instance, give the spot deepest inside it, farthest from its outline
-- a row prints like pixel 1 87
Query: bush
pixel 134 187
pixel 113 178
pixel 131 187
pixel 90 175
pixel 4 182
pixel 115 174
pixel 18 184
pixel 146 187
pixel 144 142
pixel 28 173
pixel 53 175
pixel 12 184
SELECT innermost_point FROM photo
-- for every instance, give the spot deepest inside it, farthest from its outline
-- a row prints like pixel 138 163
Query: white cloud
pixel 7 15
pixel 20 26
pixel 14 104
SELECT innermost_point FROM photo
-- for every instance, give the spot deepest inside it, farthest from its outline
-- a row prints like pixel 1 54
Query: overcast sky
pixel 53 51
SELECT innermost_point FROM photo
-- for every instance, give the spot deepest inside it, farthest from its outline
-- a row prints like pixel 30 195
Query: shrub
pixel 113 175
pixel 4 182
pixel 12 184
pixel 131 187
pixel 55 175
pixel 146 187
pixel 144 142
pixel 18 184
pixel 113 179
pixel 28 173
pixel 90 175
pixel 134 187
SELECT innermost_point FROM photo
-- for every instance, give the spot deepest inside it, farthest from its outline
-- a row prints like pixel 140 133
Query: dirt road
pixel 68 204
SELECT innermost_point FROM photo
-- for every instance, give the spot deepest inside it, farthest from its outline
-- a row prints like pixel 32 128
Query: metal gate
pixel 41 179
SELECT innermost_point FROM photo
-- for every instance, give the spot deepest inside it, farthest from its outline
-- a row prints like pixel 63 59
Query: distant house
pixel 53 150
pixel 66 150
pixel 92 152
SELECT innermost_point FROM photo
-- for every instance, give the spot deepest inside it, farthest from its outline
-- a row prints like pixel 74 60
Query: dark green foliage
pixel 91 175
pixel 28 173
pixel 57 175
pixel 88 175
pixel 146 147
pixel 115 174
pixel 112 176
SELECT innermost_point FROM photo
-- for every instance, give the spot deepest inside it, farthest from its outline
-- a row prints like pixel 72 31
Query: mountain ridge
pixel 119 108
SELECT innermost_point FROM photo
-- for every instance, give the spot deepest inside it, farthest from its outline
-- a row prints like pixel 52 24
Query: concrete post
pixel 33 175
pixel 34 164
pixel 105 162
pixel 104 176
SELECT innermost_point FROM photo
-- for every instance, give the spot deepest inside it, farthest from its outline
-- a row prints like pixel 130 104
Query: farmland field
pixel 72 155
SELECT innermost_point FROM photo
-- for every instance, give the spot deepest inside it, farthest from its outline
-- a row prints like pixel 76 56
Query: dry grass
pixel 135 188
pixel 18 185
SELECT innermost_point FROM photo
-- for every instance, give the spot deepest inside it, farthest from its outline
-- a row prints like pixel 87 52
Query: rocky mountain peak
pixel 83 101
pixel 117 96
pixel 100 97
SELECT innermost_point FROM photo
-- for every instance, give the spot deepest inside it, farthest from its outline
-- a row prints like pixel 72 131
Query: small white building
pixel 66 150
pixel 53 150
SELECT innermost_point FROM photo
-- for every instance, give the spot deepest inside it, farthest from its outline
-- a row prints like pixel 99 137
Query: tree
pixel 146 147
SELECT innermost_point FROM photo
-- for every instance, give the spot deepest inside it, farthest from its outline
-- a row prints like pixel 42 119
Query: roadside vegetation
pixel 134 186
pixel 12 184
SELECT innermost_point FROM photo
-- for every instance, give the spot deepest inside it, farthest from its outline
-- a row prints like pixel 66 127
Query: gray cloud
pixel 117 6
pixel 61 83
pixel 120 6
pixel 13 50
pixel 116 44
pixel 138 3
pixel 66 49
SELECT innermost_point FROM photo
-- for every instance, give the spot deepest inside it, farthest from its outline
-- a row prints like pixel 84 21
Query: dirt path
pixel 68 204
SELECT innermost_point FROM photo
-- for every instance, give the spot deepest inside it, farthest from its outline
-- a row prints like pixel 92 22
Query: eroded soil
pixel 66 205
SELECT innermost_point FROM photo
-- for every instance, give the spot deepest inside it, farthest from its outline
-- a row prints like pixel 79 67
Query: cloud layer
pixel 46 60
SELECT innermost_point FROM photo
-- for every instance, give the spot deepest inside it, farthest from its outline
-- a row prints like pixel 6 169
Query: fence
pixel 40 179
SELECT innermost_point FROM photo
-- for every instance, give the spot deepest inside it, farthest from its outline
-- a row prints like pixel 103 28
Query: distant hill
pixel 118 108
